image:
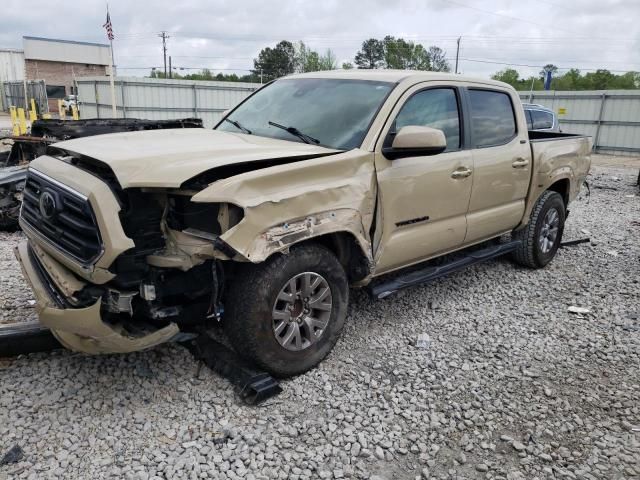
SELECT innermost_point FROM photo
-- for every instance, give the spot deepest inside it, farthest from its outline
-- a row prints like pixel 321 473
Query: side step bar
pixel 428 274
pixel 26 337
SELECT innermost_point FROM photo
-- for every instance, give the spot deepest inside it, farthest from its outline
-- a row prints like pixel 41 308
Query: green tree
pixel 328 61
pixel 405 55
pixel 371 54
pixel 601 79
pixel 508 75
pixel 571 80
pixel 627 81
pixel 438 60
pixel 307 60
pixel 549 67
pixel 347 65
pixel 275 62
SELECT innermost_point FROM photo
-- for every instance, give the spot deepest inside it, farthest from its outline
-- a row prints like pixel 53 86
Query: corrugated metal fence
pixel 159 99
pixel 611 117
pixel 13 94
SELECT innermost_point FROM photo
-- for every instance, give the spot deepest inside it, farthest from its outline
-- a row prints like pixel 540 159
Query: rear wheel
pixel 542 235
pixel 287 313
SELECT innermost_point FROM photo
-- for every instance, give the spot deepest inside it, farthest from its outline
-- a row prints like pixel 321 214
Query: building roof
pixel 74 42
pixel 65 51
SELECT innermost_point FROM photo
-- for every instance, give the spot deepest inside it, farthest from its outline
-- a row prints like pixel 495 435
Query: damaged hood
pixel 168 158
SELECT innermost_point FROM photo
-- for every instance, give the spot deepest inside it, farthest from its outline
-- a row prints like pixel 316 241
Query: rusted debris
pixel 578 241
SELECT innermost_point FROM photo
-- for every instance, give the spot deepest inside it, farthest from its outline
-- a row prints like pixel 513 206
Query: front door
pixel 423 199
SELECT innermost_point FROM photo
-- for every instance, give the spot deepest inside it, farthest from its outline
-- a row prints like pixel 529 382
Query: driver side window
pixel 435 108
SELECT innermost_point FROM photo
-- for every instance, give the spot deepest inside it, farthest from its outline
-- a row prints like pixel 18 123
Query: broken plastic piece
pixel 423 341
pixel 574 309
pixel 14 455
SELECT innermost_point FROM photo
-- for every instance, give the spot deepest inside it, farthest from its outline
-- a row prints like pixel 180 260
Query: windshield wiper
pixel 237 125
pixel 294 131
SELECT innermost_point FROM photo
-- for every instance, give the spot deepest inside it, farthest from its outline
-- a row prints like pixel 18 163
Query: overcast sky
pixel 227 35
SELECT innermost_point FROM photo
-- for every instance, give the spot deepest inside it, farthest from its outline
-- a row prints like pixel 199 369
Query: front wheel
pixel 541 237
pixel 286 314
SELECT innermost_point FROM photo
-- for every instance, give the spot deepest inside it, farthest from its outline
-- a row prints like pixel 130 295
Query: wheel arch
pixel 563 187
pixel 349 252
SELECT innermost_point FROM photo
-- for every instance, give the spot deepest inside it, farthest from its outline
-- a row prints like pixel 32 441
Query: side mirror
pixel 416 141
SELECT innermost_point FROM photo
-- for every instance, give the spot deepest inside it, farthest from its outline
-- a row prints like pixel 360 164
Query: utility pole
pixel 458 53
pixel 170 71
pixel 164 37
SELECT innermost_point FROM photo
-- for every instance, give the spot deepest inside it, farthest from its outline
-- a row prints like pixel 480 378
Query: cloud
pixel 228 35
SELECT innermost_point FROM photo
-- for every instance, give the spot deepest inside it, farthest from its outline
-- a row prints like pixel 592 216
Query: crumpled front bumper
pixel 80 329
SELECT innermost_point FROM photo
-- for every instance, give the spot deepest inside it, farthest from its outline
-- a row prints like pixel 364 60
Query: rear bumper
pixel 79 329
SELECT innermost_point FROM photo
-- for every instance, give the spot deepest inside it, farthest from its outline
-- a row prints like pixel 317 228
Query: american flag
pixel 109 27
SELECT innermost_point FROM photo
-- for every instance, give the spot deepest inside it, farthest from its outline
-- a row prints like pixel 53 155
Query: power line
pixel 477 60
pixel 497 14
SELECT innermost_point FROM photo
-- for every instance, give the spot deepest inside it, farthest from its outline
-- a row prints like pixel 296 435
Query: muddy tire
pixel 543 234
pixel 287 313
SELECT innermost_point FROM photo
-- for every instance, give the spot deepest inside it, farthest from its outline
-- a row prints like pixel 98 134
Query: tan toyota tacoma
pixel 314 183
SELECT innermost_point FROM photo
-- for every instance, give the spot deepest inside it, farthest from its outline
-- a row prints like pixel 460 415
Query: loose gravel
pixel 506 384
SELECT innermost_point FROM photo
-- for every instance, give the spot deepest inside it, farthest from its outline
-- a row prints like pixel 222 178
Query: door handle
pixel 462 172
pixel 520 163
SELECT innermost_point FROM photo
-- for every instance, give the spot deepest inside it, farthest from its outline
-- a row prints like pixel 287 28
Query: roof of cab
pixel 396 76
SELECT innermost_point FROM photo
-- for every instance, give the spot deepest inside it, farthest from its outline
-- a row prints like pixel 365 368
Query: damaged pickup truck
pixel 314 183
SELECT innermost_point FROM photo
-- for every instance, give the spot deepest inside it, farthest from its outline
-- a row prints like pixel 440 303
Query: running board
pixel 428 274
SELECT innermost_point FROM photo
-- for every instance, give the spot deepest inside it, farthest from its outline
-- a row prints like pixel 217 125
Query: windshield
pixel 336 112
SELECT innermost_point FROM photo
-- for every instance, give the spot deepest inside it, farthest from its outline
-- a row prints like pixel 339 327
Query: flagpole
pixel 114 111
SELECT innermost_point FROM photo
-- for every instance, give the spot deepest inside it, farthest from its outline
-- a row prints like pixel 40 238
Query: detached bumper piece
pixel 252 385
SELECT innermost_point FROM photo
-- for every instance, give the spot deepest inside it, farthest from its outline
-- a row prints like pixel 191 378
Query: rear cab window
pixel 493 119
pixel 541 120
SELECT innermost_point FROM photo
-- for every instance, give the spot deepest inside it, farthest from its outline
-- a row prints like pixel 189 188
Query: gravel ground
pixel 512 386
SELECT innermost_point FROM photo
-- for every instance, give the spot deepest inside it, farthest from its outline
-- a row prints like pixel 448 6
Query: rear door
pixel 502 162
pixel 423 202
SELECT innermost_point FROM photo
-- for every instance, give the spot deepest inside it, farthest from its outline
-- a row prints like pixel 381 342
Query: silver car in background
pixel 541 118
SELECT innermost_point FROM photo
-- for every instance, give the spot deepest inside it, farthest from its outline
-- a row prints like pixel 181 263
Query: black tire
pixel 9 224
pixel 530 252
pixel 251 297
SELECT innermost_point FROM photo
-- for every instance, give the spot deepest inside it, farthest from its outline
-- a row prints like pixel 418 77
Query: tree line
pixel 286 58
pixel 573 79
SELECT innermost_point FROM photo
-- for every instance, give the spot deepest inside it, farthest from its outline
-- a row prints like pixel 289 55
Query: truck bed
pixel 538 136
pixel 562 155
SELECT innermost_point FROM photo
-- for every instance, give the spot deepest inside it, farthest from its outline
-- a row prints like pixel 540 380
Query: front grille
pixel 61 215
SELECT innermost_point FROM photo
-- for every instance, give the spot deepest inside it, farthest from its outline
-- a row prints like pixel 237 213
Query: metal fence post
pixel 597 138
pixel 195 101
pixel 124 105
pixel 95 90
